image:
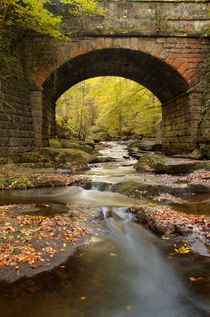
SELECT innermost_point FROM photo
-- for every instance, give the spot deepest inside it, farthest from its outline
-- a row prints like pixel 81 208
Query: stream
pixel 123 272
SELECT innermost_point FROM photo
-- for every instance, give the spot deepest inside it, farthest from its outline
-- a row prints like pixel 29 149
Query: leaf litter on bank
pixel 33 240
pixel 33 178
pixel 166 222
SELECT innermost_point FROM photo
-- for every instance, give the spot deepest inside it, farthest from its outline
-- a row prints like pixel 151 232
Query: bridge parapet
pixel 145 17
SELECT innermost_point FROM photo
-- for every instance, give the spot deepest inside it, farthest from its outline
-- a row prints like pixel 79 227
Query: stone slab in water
pixel 167 165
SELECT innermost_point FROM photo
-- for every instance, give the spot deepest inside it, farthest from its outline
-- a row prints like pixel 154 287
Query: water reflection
pixel 125 274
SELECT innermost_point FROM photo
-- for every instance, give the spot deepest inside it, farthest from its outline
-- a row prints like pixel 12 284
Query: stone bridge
pixel 163 45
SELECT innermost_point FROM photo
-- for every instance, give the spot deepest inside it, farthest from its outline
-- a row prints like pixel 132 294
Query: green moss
pixel 129 188
pixel 153 162
pixel 83 146
pixel 35 157
pixel 15 182
pixel 68 155
pixel 3 160
pixel 55 143
pixel 4 181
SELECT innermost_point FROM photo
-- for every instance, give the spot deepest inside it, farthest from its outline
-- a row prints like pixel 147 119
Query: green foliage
pixel 4 181
pixel 108 106
pixel 18 17
pixel 77 110
pixel 34 15
pixel 159 18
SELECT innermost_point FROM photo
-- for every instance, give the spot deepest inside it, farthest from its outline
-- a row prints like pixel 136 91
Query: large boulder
pixel 68 144
pixel 68 155
pixel 136 148
pixel 147 188
pixel 147 145
pixel 167 165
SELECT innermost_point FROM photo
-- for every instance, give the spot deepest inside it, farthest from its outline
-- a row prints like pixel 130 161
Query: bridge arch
pixel 177 51
pixel 153 73
pixel 159 77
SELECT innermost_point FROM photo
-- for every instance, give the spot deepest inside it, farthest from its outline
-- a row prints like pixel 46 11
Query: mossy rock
pixel 4 181
pixel 30 157
pixel 146 145
pixel 77 146
pixel 196 154
pixel 68 155
pixel 91 143
pixel 129 188
pixel 167 165
pixel 205 148
pixel 3 160
pixel 34 157
pixel 54 143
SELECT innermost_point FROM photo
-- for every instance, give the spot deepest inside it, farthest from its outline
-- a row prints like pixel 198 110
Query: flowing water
pixel 125 272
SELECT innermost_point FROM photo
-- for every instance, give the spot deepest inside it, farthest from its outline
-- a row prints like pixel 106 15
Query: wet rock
pixel 146 189
pixel 205 148
pixel 146 145
pixel 90 143
pixel 165 221
pixel 41 243
pixel 101 159
pixel 54 143
pixel 196 154
pixel 200 248
pixel 69 155
pixel 3 160
pixel 77 145
pixel 167 165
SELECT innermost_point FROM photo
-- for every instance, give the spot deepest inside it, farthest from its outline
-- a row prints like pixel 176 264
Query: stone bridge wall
pixel 181 115
pixel 179 40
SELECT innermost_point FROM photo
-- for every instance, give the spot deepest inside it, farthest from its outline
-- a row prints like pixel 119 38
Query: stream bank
pixel 116 255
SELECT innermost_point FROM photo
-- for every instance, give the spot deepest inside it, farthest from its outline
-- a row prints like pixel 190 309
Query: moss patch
pixel 77 146
pixel 68 155
pixel 55 143
pixel 166 165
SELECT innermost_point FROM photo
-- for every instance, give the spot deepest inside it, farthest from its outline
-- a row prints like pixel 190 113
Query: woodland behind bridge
pixel 107 107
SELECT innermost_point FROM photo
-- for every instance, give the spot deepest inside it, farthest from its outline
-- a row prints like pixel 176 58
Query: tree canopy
pixel 109 106
pixel 35 15
pixel 17 17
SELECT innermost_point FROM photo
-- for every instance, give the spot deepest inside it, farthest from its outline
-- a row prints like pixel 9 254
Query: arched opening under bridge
pixel 156 75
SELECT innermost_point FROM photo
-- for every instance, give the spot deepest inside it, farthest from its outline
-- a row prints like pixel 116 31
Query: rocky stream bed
pixel 61 214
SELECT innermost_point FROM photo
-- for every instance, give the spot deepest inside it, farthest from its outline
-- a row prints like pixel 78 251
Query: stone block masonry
pixel 170 58
pixel 16 120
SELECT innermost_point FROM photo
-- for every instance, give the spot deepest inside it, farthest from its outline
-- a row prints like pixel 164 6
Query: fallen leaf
pixel 183 250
